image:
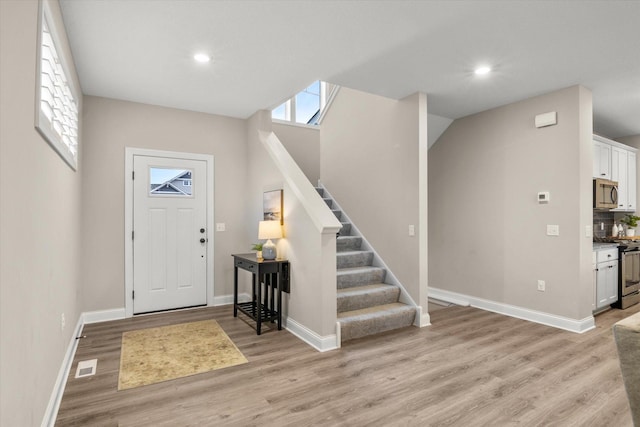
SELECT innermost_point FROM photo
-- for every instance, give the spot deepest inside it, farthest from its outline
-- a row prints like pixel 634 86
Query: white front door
pixel 169 233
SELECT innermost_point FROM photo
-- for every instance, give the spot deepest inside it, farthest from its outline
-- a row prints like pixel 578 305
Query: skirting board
pixel 51 412
pixel 571 325
pixel 320 343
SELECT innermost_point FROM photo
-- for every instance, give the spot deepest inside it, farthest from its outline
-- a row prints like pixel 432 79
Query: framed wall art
pixel 272 205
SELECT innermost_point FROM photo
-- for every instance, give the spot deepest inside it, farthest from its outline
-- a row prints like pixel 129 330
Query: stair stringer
pixel 390 278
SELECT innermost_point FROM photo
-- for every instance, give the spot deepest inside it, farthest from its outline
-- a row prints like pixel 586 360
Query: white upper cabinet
pixel 601 160
pixel 617 162
pixel 631 182
pixel 619 173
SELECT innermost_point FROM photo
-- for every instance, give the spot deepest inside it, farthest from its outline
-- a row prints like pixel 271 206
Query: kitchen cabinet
pixel 606 273
pixel 632 182
pixel 601 160
pixel 619 173
pixel 617 162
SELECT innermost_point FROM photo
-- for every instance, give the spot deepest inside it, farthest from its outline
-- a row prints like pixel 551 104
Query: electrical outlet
pixel 541 285
pixel 553 230
pixel 221 226
pixel 62 322
pixel 412 230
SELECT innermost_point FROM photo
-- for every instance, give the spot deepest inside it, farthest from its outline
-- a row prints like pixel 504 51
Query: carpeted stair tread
pixel 347 259
pixel 361 297
pixel 359 276
pixel 337 213
pixel 373 320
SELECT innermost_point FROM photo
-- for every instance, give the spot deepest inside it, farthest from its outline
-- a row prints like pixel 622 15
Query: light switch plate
pixel 553 230
pixel 412 230
pixel 220 226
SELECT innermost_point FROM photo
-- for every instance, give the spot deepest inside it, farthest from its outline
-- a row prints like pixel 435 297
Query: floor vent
pixel 86 368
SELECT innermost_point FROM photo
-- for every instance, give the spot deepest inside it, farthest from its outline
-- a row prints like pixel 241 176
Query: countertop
pixel 597 246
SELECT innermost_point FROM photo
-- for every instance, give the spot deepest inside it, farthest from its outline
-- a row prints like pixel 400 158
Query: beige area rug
pixel 154 355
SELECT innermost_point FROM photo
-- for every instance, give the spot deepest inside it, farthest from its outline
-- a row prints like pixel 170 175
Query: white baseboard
pixel 103 315
pixel 568 324
pixel 51 412
pixel 320 343
pixel 228 299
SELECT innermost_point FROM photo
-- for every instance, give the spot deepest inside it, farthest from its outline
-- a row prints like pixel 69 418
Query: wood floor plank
pixel 469 368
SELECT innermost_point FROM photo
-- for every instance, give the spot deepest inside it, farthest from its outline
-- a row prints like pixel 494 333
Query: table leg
pixel 280 299
pixel 258 302
pixel 235 291
pixel 274 284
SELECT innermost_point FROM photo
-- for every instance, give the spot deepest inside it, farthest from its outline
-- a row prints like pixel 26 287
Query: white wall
pixel 110 126
pixel 40 228
pixel 370 151
pixel 487 234
pixel 303 144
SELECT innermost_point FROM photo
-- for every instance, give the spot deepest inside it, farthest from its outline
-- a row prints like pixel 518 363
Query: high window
pixel 303 108
pixel 57 104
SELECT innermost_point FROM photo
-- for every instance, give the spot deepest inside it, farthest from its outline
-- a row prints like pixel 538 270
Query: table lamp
pixel 269 230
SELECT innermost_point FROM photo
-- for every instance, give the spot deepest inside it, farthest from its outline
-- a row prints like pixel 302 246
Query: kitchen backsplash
pixel 602 218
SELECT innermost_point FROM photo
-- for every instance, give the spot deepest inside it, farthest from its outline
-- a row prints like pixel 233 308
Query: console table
pixel 273 276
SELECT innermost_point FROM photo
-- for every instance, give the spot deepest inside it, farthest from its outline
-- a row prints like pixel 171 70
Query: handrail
pixel 320 214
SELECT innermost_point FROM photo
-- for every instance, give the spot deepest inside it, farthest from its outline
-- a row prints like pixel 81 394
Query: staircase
pixel 366 304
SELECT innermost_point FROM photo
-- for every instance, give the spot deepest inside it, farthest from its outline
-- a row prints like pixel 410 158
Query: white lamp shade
pixel 269 230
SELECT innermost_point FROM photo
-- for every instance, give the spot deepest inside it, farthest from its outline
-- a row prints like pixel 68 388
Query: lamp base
pixel 269 250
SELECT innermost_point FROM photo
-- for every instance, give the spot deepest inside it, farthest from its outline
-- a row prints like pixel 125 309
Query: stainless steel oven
pixel 629 281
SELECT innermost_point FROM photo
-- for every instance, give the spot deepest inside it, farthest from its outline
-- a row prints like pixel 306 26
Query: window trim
pixel 41 122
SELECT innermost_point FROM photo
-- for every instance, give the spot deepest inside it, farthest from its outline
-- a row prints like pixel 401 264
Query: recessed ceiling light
pixel 202 57
pixel 480 71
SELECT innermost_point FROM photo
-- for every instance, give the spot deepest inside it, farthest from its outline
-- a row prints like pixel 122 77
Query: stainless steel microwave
pixel 605 194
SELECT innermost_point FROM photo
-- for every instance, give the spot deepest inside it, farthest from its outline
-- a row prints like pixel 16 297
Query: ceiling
pixel 266 51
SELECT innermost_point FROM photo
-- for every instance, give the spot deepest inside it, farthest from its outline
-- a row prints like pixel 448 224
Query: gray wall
pixel 40 229
pixel 369 163
pixel 109 127
pixel 487 233
pixel 304 146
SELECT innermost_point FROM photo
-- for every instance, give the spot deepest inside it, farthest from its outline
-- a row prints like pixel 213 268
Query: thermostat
pixel 544 197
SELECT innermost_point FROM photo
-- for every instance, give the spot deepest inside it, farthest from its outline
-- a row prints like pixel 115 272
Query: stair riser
pixel 362 328
pixel 352 244
pixel 360 278
pixel 345 230
pixel 359 259
pixel 360 301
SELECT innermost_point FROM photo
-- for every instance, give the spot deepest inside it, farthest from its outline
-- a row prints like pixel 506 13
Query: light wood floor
pixel 470 368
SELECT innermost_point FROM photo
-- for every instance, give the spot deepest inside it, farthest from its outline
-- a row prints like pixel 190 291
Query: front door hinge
pixel 132 232
pixel 133 174
pixel 133 294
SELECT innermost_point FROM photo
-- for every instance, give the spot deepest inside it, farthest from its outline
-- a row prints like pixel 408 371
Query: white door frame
pixel 128 218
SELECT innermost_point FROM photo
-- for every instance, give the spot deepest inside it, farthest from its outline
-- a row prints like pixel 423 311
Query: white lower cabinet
pixel 606 273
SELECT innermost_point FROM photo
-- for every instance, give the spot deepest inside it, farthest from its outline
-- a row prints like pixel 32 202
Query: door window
pixel 170 182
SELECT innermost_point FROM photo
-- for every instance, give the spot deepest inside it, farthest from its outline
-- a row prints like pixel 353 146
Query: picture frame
pixel 272 206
